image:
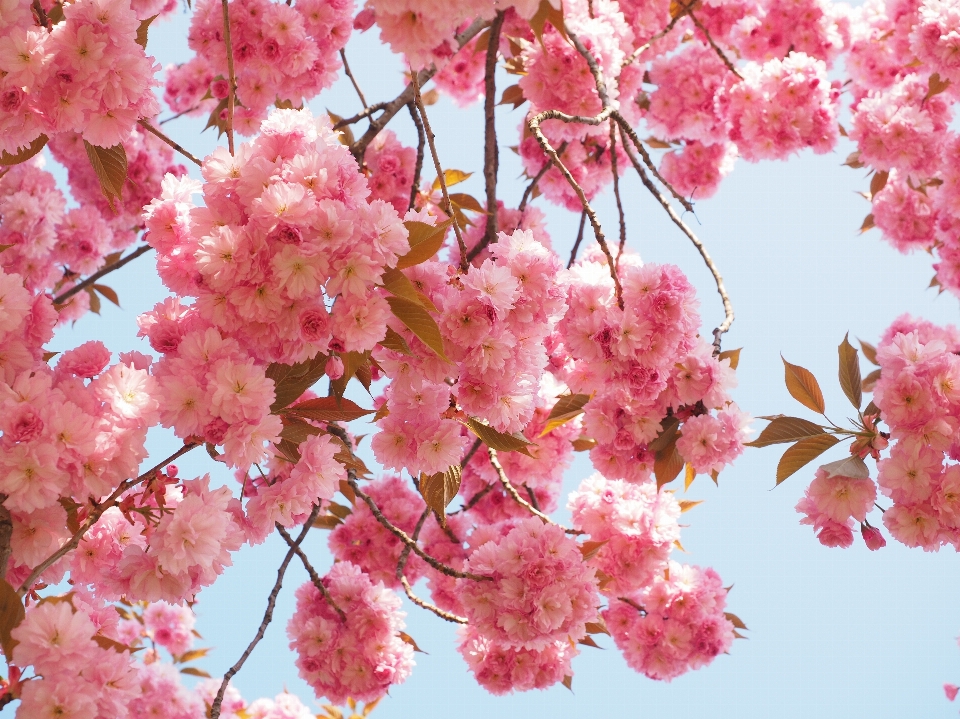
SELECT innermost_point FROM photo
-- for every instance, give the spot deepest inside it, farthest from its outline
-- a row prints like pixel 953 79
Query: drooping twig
pixel 177 116
pixel 470 452
pixel 314 577
pixel 616 191
pixel 533 498
pixel 94 514
pixel 515 495
pixel 231 74
pixel 576 245
pixel 92 279
pixel 406 539
pixel 440 174
pixel 491 153
pixel 391 108
pixel 630 59
pixel 627 600
pixel 346 69
pixel 475 498
pixel 267 617
pixel 175 145
pixel 716 48
pixel 421 143
pixel 635 139
pixel 402 563
pixel 718 279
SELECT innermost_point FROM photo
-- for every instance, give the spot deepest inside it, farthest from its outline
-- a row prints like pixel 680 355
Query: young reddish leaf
pixel 142 31
pixel 425 241
pixel 26 153
pixel 327 521
pixel 850 381
pixel 853 160
pixel 47 356
pixel 667 465
pixel 588 642
pixel 291 381
pixel 347 491
pixel 4 248
pixel 870 352
pixel 451 178
pixel 192 655
pixel 657 144
pixel 690 474
pixel 583 444
pixel 870 381
pixel 735 620
pixel 499 441
pixel 589 550
pixel 802 453
pixel 382 413
pixel 467 202
pixel 732 355
pixel 512 95
pixel 803 387
pixel 548 13
pixel 878 182
pixel 397 283
pixel 110 165
pixel 296 430
pixel 715 476
pixel 328 409
pixel 94 300
pixel 568 406
pixel 935 86
pixel 407 639
pixel 339 511
pixel 109 293
pixel 418 321
pixel 868 223
pixel 567 680
pixel 394 341
pixel 439 489
pixel 676 544
pixel 597 627
pixel 851 466
pixel 352 362
pixel 785 429
pixel 194 672
pixel 107 643
pixel 871 409
pixel 687 504
pixel 346 133
pixel 11 614
pixel 667 435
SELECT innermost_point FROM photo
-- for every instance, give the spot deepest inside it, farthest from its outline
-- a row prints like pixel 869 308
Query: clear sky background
pixel 833 633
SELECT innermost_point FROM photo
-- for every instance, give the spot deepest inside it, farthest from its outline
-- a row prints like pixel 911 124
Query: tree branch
pixel 576 245
pixel 491 153
pixel 346 69
pixel 720 53
pixel 515 495
pixel 718 279
pixel 365 112
pixel 232 76
pixel 402 563
pixel 176 146
pixel 314 577
pixel 616 191
pixel 95 514
pixel 143 249
pixel 267 617
pixel 421 142
pixel 440 174
pixel 6 533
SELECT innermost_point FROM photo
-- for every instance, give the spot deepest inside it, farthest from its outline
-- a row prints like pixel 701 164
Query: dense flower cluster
pixel 500 668
pixel 360 657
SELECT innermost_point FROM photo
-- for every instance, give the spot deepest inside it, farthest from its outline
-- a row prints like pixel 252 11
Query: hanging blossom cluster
pixel 282 53
pixel 85 74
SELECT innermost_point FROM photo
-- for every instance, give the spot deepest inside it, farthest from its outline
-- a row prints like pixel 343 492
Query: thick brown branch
pixel 515 495
pixel 346 69
pixel 267 617
pixel 491 154
pixel 92 279
pixel 665 203
pixel 231 74
pixel 441 178
pixel 314 577
pixel 175 145
pixel 95 514
pixel 421 143
pixel 576 245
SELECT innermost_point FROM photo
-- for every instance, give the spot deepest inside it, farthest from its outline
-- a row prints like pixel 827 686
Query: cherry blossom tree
pixel 313 256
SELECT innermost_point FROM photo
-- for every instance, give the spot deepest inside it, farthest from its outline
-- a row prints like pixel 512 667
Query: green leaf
pixel 397 283
pixel 418 321
pixel 802 453
pixel 394 341
pixel 500 441
pixel 851 466
pixel 425 241
pixel 110 165
pixel 849 374
pixel 568 406
pixel 328 409
pixel 803 387
pixel 142 31
pixel 26 153
pixel 439 489
pixel 11 614
pixel 785 429
pixel 291 381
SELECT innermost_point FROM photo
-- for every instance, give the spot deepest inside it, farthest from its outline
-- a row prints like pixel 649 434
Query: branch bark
pixel 232 76
pixel 491 153
pixel 143 249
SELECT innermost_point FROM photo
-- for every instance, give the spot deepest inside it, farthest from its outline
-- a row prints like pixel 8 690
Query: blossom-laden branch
pixel 175 145
pixel 314 577
pixel 491 154
pixel 391 108
pixel 267 615
pixel 441 175
pixel 95 513
pixel 6 534
pixel 616 191
pixel 515 495
pixel 92 279
pixel 576 244
pixel 701 248
pixel 356 85
pixel 231 73
pixel 402 563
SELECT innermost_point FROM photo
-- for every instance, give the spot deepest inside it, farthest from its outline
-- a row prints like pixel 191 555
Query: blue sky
pixel 833 633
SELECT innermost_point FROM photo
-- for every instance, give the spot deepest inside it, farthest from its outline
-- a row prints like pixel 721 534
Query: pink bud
pixel 951 691
pixel 364 20
pixel 172 470
pixel 871 535
pixel 334 368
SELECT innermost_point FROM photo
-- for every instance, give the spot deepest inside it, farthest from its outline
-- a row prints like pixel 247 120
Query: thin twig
pixel 402 563
pixel 630 59
pixel 365 112
pixel 628 600
pixel 721 289
pixel 475 498
pixel 421 143
pixel 515 495
pixel 232 75
pixel 94 515
pixel 528 190
pixel 175 145
pixel 470 452
pixel 440 174
pixel 178 115
pixel 716 48
pixel 391 108
pixel 491 154
pixel 635 139
pixel 346 69
pixel 314 577
pixel 616 191
pixel 406 539
pixel 576 245
pixel 143 249
pixel 267 617
pixel 533 498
